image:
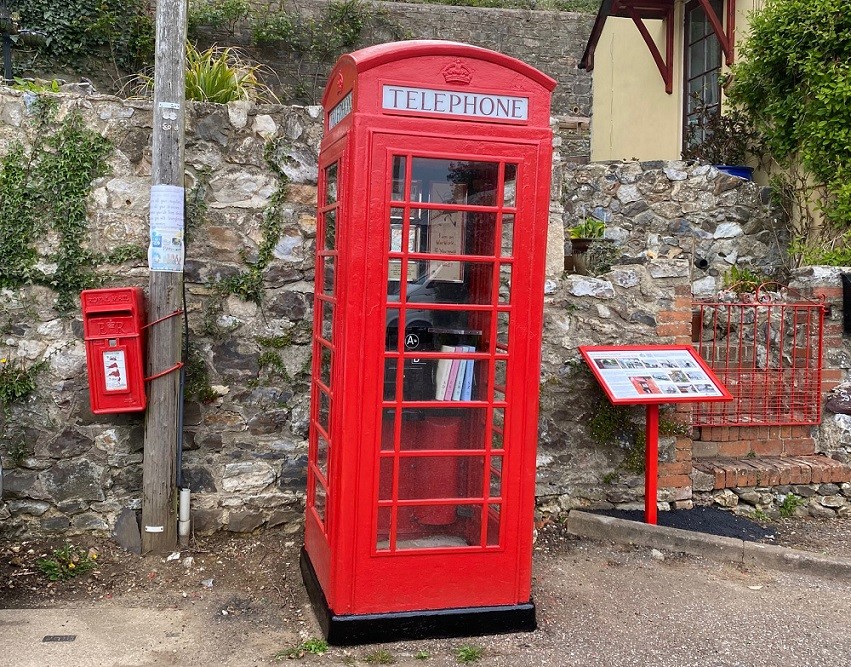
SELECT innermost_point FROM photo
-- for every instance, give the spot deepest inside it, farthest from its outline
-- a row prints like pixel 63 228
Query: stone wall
pixel 553 42
pixel 246 419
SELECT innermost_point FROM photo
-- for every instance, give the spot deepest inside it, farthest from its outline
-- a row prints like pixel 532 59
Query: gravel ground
pixel 240 601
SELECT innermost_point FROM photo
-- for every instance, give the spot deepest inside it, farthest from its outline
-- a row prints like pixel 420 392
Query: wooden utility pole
pixel 159 468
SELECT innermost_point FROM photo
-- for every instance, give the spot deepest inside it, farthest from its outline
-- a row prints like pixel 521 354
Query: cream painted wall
pixel 633 116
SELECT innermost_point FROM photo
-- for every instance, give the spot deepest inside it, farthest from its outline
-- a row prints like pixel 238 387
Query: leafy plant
pixel 794 80
pixel 217 14
pixel 75 30
pixel 613 425
pixel 380 657
pixel 36 86
pixel 67 562
pixel 312 645
pixel 727 138
pixel 217 74
pixel 590 228
pixel 743 280
pixel 422 655
pixel 790 503
pixel 468 653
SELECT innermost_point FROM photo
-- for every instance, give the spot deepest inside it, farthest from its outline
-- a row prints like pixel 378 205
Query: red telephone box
pixel 434 182
pixel 113 323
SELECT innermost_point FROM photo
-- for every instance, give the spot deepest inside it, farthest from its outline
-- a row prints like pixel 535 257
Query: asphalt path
pixel 598 604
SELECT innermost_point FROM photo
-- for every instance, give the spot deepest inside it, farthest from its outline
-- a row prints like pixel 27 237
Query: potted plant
pixel 582 236
pixel 725 140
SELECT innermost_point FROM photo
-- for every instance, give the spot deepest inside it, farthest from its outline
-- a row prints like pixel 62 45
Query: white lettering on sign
pixel 339 112
pixel 455 103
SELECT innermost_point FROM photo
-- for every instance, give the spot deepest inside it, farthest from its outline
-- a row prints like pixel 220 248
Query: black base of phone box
pixel 352 630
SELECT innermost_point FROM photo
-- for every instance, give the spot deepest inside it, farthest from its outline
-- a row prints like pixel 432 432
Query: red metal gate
pixel 768 352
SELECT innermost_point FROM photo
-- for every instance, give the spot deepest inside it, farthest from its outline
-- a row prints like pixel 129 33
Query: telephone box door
pixel 449 478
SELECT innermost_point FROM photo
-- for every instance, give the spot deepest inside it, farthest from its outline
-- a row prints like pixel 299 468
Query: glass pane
pixel 456 181
pixel 437 477
pixel 385 478
pixel 327 320
pixel 383 542
pixel 449 232
pixel 324 410
pixel 494 516
pixel 507 248
pixel 388 429
pixel 442 428
pixel 509 189
pixel 439 526
pixel 396 218
pixel 398 192
pixel 498 437
pixel 420 381
pixel 496 477
pixel 322 448
pixel 328 275
pixel 331 184
pixel 319 498
pixel 500 379
pixel 330 229
pixel 502 322
pixel 325 365
pixel 505 283
pixel 443 281
pixel 696 59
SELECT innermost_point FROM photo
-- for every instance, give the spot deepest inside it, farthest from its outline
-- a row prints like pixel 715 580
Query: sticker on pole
pixel 115 370
pixel 166 248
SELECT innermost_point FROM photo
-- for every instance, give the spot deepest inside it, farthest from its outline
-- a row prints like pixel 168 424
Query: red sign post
pixel 650 375
pixel 434 180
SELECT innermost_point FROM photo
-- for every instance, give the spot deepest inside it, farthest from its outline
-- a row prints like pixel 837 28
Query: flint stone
pixel 749 496
pixel 89 522
pixel 213 128
pixel 828 490
pixel 33 507
pixel 238 113
pixel 198 479
pixel 206 521
pixel 846 489
pixel 624 278
pixel 832 501
pixel 706 286
pixel 67 444
pixel 73 506
pixel 55 524
pixel 702 481
pixel 245 521
pixel 728 230
pixel 819 511
pixel 725 498
pixel 594 287
pixel 247 476
pixel 281 517
pixel 804 491
pixel 17 483
pixel 293 472
pixel 668 268
pixel 675 174
pixel 839 404
pixel 126 532
pixel 73 479
pixel 628 193
pixel 271 421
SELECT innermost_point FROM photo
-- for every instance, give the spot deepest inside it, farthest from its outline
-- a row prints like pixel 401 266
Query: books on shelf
pixel 454 378
pixel 444 367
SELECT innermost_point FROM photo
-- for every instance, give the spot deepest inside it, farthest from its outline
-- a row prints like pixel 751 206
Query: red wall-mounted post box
pixel 113 327
pixel 434 184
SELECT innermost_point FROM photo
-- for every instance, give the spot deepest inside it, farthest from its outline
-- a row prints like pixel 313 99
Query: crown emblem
pixel 339 81
pixel 457 72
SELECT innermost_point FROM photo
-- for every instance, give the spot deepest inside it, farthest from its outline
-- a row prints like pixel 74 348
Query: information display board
pixel 650 375
pixel 633 374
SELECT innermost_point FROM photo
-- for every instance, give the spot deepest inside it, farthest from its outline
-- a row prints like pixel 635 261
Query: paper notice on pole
pixel 166 249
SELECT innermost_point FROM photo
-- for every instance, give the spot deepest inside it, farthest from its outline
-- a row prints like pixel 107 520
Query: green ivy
pixel 46 188
pixel 76 30
pixel 794 79
pixel 248 284
pixel 217 14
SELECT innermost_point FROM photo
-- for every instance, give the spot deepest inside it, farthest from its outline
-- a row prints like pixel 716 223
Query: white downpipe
pixel 183 517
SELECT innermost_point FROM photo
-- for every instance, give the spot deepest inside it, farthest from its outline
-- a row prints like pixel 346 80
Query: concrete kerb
pixel 713 547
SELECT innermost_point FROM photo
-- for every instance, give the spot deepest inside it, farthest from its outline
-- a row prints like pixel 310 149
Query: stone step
pixel 728 473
